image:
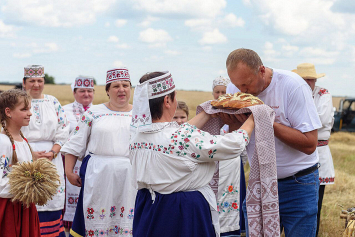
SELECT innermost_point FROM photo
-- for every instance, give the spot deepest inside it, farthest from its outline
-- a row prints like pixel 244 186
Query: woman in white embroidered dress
pixel 47 132
pixel 231 180
pixel 173 164
pixel 106 200
pixel 83 92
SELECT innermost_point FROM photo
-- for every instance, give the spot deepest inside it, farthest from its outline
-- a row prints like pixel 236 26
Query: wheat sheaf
pixel 34 182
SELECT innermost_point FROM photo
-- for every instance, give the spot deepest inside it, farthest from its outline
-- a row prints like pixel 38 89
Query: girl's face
pixel 34 85
pixel 120 92
pixel 218 90
pixel 180 116
pixel 20 115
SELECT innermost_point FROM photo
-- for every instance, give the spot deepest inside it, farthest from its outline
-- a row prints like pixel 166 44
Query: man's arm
pixel 304 142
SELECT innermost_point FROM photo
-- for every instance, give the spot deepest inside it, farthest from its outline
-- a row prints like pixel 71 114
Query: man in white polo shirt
pixel 295 129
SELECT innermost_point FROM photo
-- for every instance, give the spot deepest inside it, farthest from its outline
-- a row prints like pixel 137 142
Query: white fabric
pixel 108 191
pixel 220 81
pixel 49 126
pixel 171 158
pixel 23 154
pixel 73 111
pixel 151 89
pixel 324 103
pixel 291 98
pixel 228 196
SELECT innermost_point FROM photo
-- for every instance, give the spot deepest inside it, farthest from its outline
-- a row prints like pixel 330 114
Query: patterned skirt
pixel 17 220
pixel 177 214
pixel 51 223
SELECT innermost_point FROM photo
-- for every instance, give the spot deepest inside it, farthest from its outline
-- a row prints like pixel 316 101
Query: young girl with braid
pixel 15 219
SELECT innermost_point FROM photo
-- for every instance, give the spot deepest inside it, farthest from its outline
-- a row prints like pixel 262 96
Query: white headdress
pixel 151 89
pixel 220 81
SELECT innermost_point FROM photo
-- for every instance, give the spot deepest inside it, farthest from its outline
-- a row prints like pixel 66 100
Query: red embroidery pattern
pixel 323 91
pixel 326 180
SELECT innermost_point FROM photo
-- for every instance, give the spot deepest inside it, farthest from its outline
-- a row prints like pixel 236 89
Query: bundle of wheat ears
pixel 34 182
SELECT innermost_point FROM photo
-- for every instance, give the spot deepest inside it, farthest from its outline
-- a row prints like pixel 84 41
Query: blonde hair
pixel 183 106
pixel 246 56
pixel 9 99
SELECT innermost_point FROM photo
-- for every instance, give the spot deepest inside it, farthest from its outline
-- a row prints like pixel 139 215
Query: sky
pixel 189 38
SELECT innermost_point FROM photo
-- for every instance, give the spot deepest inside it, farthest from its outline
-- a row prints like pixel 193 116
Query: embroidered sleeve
pixel 5 166
pixel 325 110
pixel 62 131
pixel 201 146
pixel 79 137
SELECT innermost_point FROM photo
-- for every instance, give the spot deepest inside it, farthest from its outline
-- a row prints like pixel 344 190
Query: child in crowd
pixel 15 218
pixel 181 113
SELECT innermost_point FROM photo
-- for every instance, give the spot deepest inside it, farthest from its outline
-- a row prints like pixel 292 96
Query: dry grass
pixel 341 145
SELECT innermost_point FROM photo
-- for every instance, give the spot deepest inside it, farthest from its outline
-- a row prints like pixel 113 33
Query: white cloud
pixel 232 20
pixel 54 13
pixel 200 24
pixel 6 30
pixel 270 54
pixel 113 39
pixel 122 46
pixel 222 72
pixel 213 37
pixel 21 55
pixel 153 58
pixel 318 52
pixel 47 48
pixel 196 8
pixel 117 64
pixel 172 52
pixel 148 21
pixel 120 22
pixel 107 24
pixel 207 48
pixel 156 38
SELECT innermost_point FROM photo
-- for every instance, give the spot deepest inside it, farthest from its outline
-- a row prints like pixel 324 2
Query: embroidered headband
pixel 83 82
pixel 117 74
pixel 34 71
pixel 151 89
pixel 220 81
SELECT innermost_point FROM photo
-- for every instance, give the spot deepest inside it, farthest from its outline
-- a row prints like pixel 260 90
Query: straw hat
pixel 308 71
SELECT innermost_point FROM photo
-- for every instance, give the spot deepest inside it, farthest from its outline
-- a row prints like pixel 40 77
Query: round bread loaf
pixel 236 101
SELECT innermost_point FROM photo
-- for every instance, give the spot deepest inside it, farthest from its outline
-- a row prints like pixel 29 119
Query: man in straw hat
pixel 295 131
pixel 323 101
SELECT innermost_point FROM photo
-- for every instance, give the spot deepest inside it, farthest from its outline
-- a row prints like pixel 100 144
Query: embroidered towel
pixel 262 193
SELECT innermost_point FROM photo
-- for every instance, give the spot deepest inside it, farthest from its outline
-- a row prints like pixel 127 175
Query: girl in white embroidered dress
pixel 15 218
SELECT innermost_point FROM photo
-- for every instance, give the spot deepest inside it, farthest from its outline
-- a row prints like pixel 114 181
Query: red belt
pixel 323 142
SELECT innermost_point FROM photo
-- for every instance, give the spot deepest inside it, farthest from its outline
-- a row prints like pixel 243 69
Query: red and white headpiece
pixel 84 82
pixel 117 74
pixel 151 89
pixel 34 71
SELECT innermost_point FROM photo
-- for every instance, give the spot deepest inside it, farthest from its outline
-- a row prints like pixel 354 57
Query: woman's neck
pixel 117 107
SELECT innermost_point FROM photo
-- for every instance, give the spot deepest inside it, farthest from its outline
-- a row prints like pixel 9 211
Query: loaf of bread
pixel 236 101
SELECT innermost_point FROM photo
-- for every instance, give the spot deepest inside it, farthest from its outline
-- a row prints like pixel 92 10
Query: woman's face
pixel 180 116
pixel 20 115
pixel 34 86
pixel 84 96
pixel 218 90
pixel 120 92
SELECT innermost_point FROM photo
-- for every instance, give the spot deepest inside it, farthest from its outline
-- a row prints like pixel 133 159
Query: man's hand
pixel 234 121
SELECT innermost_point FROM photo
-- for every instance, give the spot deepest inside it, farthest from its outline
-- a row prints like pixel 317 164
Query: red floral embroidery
pixel 230 188
pixel 235 205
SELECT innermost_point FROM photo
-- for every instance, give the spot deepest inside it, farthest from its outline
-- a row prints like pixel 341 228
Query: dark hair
pixel 156 105
pixel 9 99
pixel 183 106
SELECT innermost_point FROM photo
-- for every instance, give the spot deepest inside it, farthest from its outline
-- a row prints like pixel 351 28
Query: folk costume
pixel 15 218
pixel 231 186
pixel 172 168
pixel 106 200
pixel 324 104
pixel 74 111
pixel 48 126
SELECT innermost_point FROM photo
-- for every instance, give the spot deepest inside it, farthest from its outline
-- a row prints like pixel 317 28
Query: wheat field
pixel 341 145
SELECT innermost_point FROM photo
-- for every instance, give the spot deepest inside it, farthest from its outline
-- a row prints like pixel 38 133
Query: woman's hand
pixel 74 179
pixel 38 154
pixel 47 155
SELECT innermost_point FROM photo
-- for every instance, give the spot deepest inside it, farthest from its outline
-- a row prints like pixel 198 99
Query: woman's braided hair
pixel 9 99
